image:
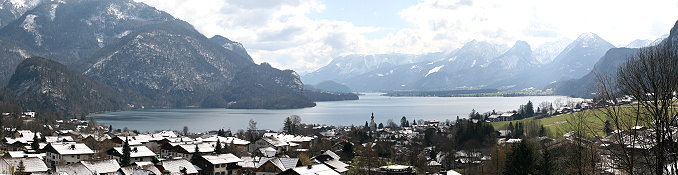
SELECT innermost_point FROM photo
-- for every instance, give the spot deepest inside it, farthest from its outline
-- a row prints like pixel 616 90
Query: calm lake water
pixel 344 113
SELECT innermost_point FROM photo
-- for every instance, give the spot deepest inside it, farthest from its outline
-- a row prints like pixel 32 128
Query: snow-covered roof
pixel 137 151
pixel 175 166
pixel 226 140
pixel 72 169
pixel 69 148
pixel 102 166
pixel 268 151
pixel 202 147
pixel 337 165
pixel 20 154
pixel 32 164
pixel 222 159
pixel 318 169
pixel 52 139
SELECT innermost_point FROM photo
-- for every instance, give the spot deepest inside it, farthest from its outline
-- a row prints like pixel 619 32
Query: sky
pixel 304 35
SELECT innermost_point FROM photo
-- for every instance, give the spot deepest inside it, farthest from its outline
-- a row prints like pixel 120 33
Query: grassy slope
pixel 558 125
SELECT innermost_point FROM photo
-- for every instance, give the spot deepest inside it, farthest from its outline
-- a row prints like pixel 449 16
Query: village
pixel 469 146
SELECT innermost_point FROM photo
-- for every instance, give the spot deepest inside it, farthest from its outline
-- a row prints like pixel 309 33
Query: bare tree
pixel 644 140
pixel 651 77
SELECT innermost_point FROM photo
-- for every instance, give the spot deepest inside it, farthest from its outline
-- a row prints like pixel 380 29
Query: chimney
pixel 73 147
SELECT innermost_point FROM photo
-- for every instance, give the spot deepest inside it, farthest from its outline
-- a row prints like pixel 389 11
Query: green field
pixel 558 125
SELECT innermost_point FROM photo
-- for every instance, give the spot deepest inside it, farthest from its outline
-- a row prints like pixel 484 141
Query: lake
pixel 344 113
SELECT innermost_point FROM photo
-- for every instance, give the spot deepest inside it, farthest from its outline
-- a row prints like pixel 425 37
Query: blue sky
pixel 384 14
pixel 305 35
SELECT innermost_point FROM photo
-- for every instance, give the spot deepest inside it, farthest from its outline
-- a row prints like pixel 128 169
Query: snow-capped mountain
pixel 646 42
pixel 546 52
pixel 148 56
pixel 438 74
pixel 480 64
pixel 345 67
pixel 231 45
pixel 10 10
pixel 578 58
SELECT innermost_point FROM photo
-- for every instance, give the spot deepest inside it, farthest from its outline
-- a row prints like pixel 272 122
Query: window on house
pixel 78 156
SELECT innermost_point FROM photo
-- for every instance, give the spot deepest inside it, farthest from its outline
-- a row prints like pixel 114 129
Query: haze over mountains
pixel 479 65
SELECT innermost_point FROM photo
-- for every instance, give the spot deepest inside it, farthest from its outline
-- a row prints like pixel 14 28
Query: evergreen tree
pixel 110 128
pixel 21 169
pixel 126 154
pixel 542 131
pixel 546 165
pixel 217 148
pixel 404 122
pixel 381 126
pixel 367 126
pixel 196 155
pixel 520 160
pixel 287 126
pixel 347 151
pixel 529 109
pixel 608 128
pixel 511 129
pixel 414 122
pixel 228 133
pixel 35 145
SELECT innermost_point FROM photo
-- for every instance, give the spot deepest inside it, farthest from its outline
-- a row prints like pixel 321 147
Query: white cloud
pixel 280 31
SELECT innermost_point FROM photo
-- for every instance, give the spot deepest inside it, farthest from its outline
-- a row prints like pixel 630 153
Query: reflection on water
pixel 333 113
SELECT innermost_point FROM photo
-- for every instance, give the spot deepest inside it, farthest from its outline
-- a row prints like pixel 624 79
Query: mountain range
pixel 607 67
pixel 483 65
pixel 136 53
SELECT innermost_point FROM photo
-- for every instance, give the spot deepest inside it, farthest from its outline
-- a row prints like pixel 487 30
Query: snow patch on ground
pixel 434 70
pixel 22 53
pixel 52 11
pixel 123 34
pixel 115 11
pixel 100 40
pixel 30 26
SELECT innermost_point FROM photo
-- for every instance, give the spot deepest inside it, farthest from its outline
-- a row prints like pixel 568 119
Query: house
pixel 233 142
pixel 494 117
pixel 28 114
pixel 102 167
pixel 67 153
pixel 222 164
pixel 178 166
pixel 139 170
pixel 72 169
pixel 268 151
pixel 32 165
pixel 20 154
pixel 276 165
pixel 186 149
pixel 395 169
pixel 137 154
pixel 332 160
pixel 318 169
pixel 54 139
pixel 120 140
pixel 270 141
pixel 20 139
pixel 507 116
